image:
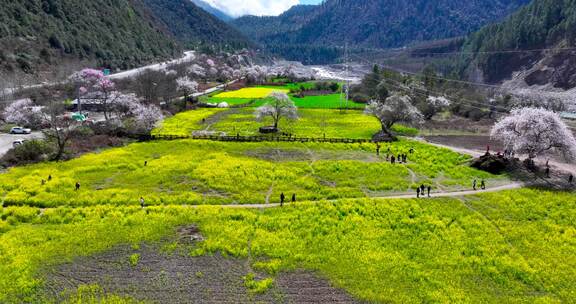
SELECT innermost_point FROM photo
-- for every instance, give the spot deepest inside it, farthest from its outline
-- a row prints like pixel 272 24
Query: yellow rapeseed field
pixel 254 93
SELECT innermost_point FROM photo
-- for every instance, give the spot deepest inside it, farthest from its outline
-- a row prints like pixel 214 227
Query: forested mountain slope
pixel 37 34
pixel 375 23
pixel 193 26
pixel 543 24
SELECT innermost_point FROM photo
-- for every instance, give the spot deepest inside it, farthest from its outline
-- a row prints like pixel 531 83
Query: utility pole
pixel 342 87
pixel 347 76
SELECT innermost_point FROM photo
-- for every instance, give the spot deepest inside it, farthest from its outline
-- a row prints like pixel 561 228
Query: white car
pixel 18 142
pixel 20 130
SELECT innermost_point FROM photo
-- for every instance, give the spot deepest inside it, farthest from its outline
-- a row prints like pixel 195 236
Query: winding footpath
pixel 510 186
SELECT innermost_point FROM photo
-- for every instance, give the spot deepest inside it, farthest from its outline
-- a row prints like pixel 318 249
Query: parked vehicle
pixel 20 130
pixel 18 142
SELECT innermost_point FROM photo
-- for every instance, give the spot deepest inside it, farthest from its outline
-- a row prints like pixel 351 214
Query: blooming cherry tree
pixel 197 71
pixel 147 116
pixel 23 112
pixel 94 85
pixel 186 87
pixel 535 132
pixel 124 104
pixel 395 109
pixel 280 106
pixel 433 105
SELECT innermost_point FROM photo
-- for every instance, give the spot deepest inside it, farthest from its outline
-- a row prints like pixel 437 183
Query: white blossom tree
pixel 23 112
pixel 257 74
pixel 433 105
pixel 197 71
pixel 124 104
pixel 147 117
pixel 212 72
pixel 530 98
pixel 280 106
pixel 395 109
pixel 186 87
pixel 535 132
pixel 226 76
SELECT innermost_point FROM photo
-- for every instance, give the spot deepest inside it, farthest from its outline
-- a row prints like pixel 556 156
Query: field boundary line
pixel 239 138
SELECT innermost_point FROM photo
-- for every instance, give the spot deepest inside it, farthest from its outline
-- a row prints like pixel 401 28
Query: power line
pixel 438 93
pixel 474 53
pixel 434 77
pixel 470 102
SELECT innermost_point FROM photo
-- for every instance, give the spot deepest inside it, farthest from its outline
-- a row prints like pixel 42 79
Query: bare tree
pixel 60 126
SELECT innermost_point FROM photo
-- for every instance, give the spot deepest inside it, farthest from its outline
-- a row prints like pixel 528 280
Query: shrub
pixel 360 98
pixel 6 128
pixel 29 152
pixel 255 286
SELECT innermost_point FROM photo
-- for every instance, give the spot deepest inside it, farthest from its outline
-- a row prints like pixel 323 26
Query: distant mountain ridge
pixel 375 23
pixel 213 10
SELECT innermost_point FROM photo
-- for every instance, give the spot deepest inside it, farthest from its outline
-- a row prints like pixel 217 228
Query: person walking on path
pixel 145 163
pixel 429 189
pixel 570 179
pixel 377 149
pixel 77 186
pixel 393 159
pixel 474 184
pixel 49 177
pixel 282 198
pixel 483 185
pixel 418 192
pixel 142 202
pixel 293 197
pixel 547 172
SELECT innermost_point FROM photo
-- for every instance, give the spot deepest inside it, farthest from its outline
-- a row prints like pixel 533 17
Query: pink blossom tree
pixel 535 132
pixel 94 85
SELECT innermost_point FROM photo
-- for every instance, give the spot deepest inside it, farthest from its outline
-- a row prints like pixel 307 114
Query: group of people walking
pixel 421 191
pixel 393 159
pixel 283 198
pixel 482 185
